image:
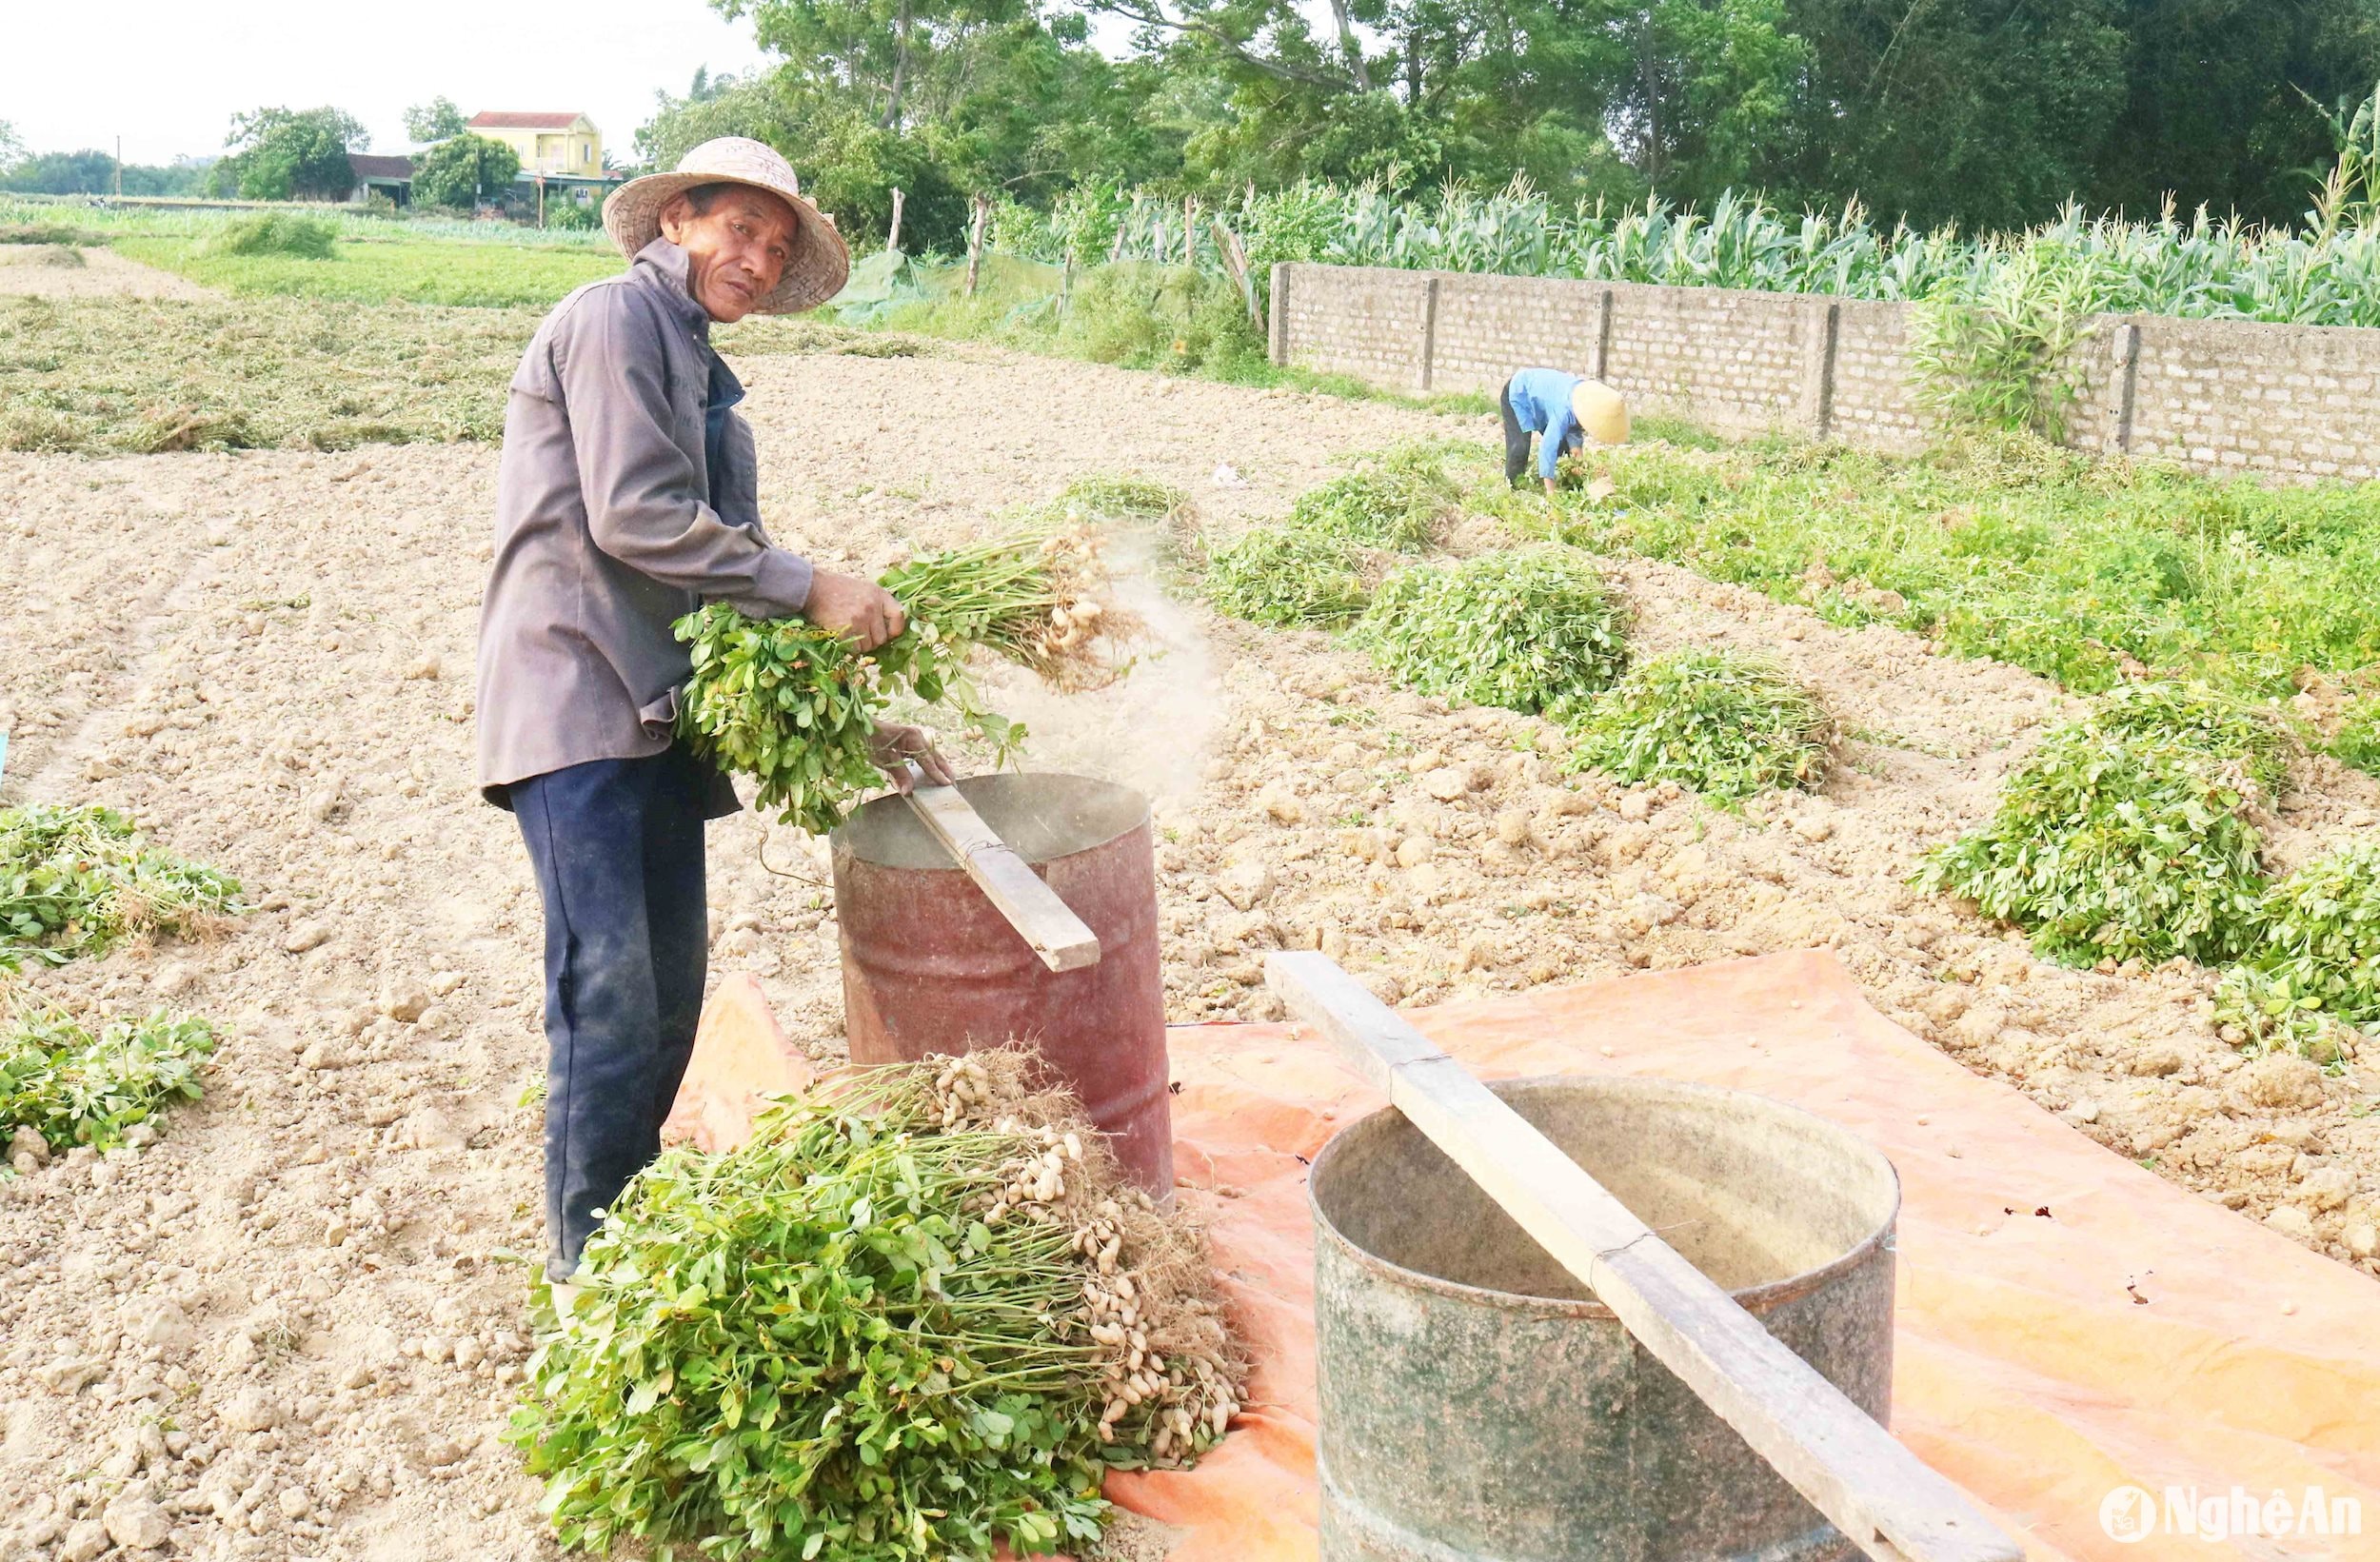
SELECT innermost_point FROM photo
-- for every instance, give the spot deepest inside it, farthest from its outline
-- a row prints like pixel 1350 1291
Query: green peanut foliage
pixel 73 1088
pixel 2110 844
pixel 1533 630
pixel 1725 724
pixel 2223 727
pixel 797 709
pixel 1290 580
pixel 74 881
pixel 2319 939
pixel 1393 502
pixel 829 1343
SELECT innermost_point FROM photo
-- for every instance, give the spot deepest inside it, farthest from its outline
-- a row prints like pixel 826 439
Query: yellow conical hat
pixel 1601 412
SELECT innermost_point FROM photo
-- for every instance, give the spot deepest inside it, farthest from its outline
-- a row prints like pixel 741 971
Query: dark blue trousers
pixel 618 849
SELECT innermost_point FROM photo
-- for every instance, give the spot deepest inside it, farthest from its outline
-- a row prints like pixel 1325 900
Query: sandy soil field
pixel 290 1328
pixel 50 271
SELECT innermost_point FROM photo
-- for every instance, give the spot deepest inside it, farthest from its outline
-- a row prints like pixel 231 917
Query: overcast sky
pixel 168 75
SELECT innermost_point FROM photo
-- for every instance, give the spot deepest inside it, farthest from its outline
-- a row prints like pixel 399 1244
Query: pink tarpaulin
pixel 2134 1336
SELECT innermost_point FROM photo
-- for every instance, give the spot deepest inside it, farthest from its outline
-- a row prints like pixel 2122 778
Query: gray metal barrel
pixel 1476 1407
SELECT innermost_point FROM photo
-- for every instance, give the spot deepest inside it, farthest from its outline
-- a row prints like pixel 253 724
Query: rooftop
pixel 507 120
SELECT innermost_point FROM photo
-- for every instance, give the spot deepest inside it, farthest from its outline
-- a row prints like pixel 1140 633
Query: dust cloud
pixel 1150 730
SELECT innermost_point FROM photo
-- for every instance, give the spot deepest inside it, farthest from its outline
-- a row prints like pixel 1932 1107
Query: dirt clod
pixel 136 1524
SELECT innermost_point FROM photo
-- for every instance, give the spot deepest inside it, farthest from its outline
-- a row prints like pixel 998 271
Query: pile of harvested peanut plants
pixel 797 708
pixel 919 1313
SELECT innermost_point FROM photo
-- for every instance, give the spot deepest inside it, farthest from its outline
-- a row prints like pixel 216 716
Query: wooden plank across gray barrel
pixel 1849 1468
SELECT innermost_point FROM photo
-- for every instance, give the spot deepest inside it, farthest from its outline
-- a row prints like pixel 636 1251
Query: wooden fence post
pixel 893 239
pixel 974 241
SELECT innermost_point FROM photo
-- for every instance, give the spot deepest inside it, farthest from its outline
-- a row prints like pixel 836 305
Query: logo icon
pixel 2128 1514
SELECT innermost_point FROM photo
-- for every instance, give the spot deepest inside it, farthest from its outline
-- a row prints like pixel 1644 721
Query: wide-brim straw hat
pixel 1601 412
pixel 820 261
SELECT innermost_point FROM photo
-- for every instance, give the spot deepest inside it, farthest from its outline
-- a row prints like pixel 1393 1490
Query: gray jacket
pixel 608 529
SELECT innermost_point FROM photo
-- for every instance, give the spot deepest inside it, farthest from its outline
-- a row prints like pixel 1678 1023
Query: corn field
pixel 2325 273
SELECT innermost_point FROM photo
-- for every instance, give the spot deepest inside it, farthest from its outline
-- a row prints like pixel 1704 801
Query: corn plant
pixel 2324 272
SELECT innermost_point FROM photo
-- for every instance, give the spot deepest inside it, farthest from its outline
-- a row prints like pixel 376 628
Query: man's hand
pixel 895 747
pixel 860 610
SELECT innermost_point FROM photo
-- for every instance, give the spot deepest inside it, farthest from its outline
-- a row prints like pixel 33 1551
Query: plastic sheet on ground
pixel 889 279
pixel 2068 1322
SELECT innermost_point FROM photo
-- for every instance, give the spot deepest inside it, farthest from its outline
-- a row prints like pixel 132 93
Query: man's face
pixel 736 252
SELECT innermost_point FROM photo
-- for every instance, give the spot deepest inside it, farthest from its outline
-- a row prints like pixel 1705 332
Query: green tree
pixel 94 172
pixel 89 172
pixel 281 155
pixel 437 120
pixel 12 147
pixel 457 172
pixel 183 176
pixel 846 162
pixel 1984 114
pixel 2214 104
pixel 1713 83
pixel 943 98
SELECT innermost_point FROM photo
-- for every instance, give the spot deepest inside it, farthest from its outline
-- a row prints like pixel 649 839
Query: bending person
pixel 1561 410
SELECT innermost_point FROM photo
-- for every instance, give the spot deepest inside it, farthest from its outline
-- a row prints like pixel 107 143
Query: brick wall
pixel 2219 395
pixel 2238 395
pixel 1730 361
pixel 1873 405
pixel 1366 323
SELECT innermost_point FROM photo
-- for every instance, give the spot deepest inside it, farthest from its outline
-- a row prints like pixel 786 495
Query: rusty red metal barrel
pixel 929 966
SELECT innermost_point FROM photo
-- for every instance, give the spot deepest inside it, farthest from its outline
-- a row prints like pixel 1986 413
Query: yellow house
pixel 566 144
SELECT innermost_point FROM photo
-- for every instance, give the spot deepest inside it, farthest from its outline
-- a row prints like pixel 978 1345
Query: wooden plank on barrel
pixel 1880 1495
pixel 1060 937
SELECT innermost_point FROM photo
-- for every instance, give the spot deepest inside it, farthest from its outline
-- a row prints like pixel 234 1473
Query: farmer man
pixel 1564 412
pixel 627 495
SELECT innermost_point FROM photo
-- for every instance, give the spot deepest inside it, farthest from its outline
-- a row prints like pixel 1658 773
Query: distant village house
pixel 379 174
pixel 549 144
pixel 562 158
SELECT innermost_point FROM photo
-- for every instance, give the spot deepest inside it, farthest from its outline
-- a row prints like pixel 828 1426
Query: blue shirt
pixel 1540 399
